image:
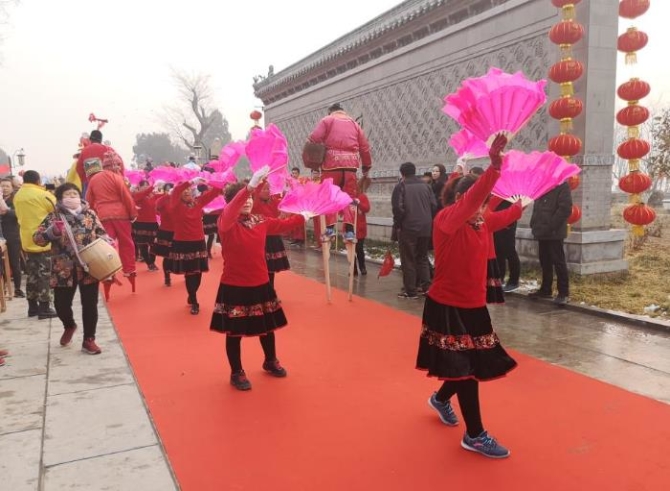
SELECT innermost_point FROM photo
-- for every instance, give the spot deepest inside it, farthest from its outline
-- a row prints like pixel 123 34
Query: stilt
pixel 325 251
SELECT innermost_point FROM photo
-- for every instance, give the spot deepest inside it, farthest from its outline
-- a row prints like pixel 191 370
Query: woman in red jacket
pixel 165 233
pixel 145 228
pixel 267 206
pixel 457 342
pixel 246 303
pixel 362 208
pixel 188 255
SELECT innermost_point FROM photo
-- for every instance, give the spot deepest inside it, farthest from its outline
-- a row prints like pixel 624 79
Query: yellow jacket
pixel 32 204
pixel 72 175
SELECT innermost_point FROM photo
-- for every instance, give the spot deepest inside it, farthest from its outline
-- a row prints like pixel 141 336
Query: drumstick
pixel 325 251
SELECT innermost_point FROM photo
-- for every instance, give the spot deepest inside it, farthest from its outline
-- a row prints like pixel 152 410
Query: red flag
pixel 387 265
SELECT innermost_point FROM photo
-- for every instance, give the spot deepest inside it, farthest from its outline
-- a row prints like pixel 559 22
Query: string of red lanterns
pixel 567 107
pixel 634 148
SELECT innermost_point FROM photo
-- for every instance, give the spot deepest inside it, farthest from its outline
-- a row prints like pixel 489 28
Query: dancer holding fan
pixel 165 233
pixel 246 303
pixel 457 342
pixel 145 228
pixel 266 205
pixel 188 255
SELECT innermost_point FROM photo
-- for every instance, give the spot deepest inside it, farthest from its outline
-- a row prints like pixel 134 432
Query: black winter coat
pixel 550 214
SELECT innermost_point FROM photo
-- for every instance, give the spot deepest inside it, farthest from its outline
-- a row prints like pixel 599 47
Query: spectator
pixel 505 247
pixel 413 206
pixel 10 229
pixel 549 224
pixel 32 203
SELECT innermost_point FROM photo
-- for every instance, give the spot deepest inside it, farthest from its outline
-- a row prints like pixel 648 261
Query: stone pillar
pixel 592 247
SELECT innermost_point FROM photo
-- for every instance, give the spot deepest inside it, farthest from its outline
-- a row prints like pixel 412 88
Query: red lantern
pixel 633 90
pixel 255 115
pixel 575 215
pixel 630 9
pixel 566 32
pixel 566 107
pixel 633 148
pixel 565 145
pixel 635 183
pixel 639 215
pixel 574 182
pixel 633 115
pixel 630 42
pixel 567 70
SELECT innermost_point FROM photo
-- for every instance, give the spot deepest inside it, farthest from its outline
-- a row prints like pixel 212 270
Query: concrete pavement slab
pixel 26 360
pixel 20 460
pixel 22 403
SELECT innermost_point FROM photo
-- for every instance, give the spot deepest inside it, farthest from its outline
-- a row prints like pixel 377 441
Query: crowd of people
pixel 452 214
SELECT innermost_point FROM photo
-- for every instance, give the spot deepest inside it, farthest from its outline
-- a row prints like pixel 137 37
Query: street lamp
pixel 197 148
pixel 20 154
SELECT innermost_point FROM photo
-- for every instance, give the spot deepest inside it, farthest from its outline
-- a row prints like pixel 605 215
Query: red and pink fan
pixel 219 179
pixel 498 102
pixel 135 177
pixel 229 156
pixel 165 174
pixel 216 204
pixel 269 147
pixel 527 177
pixel 312 199
pixel 468 146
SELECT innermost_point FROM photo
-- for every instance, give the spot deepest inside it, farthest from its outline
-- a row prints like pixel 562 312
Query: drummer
pixel 72 220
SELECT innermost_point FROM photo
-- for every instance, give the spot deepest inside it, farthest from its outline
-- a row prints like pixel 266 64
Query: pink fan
pixel 165 174
pixel 312 199
pixel 229 156
pixel 135 176
pixel 187 174
pixel 219 179
pixel 467 145
pixel 526 177
pixel 497 102
pixel 217 203
pixel 269 147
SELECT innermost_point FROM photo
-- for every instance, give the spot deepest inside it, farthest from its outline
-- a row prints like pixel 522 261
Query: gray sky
pixel 62 60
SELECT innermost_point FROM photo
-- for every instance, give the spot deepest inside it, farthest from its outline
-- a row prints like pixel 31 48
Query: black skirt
pixel 144 233
pixel 460 344
pixel 163 243
pixel 209 224
pixel 188 257
pixel 494 291
pixel 275 254
pixel 247 310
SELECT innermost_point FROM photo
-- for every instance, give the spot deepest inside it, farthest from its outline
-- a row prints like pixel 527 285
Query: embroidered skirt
pixel 188 256
pixel 275 254
pixel 247 310
pixel 459 344
pixel 144 233
pixel 163 243
pixel 209 223
pixel 494 291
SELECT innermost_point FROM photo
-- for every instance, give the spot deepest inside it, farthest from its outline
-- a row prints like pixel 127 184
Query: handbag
pixel 313 154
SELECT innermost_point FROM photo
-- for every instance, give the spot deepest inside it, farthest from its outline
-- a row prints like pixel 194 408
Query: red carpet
pixel 352 414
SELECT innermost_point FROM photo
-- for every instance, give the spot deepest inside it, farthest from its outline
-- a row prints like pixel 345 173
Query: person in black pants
pixel 549 224
pixel 71 226
pixel 505 245
pixel 10 228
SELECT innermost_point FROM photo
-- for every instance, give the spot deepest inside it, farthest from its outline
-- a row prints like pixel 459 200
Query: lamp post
pixel 197 148
pixel 20 154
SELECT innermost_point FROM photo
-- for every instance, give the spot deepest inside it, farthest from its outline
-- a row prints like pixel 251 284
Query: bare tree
pixel 195 121
pixel 5 11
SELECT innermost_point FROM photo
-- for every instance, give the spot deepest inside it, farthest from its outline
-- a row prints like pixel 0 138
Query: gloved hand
pixel 495 152
pixel 259 176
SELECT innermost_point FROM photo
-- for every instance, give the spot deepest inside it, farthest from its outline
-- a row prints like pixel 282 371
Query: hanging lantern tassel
pixel 566 125
pixel 567 89
pixel 569 11
pixel 634 165
pixel 638 230
pixel 633 132
pixel 635 199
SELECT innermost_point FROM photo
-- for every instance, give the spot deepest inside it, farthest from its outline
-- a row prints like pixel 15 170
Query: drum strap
pixel 73 243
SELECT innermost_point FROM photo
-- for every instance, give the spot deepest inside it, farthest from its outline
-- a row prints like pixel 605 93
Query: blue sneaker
pixel 444 409
pixel 485 445
pixel 349 237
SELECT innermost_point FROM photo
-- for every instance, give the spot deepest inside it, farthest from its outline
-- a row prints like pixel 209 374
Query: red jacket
pixel 108 195
pixel 146 205
pixel 163 210
pixel 267 208
pixel 243 242
pixel 461 250
pixel 346 143
pixel 361 221
pixel 187 218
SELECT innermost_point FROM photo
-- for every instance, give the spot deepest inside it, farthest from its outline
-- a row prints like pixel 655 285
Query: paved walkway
pixel 74 421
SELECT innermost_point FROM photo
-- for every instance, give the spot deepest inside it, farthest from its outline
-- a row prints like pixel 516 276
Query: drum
pixel 101 258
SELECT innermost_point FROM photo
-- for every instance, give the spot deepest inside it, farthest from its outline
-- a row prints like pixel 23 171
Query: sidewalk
pixel 74 421
pixel 71 420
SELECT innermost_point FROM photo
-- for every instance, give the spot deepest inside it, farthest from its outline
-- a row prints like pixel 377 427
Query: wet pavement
pixel 625 354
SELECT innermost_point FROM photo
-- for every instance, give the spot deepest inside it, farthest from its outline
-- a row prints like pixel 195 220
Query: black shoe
pixel 511 287
pixel 153 267
pixel 33 308
pixel 168 281
pixel 195 309
pixel 274 368
pixel 540 294
pixel 240 381
pixel 412 296
pixel 18 293
pixel 364 271
pixel 561 300
pixel 190 300
pixel 45 312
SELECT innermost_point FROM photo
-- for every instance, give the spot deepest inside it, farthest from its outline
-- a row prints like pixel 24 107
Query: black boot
pixel 168 281
pixel 33 308
pixel 45 312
